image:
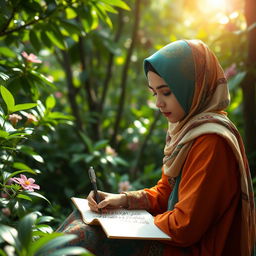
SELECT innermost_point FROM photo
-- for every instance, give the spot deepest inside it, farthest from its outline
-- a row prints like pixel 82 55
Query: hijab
pixel 194 75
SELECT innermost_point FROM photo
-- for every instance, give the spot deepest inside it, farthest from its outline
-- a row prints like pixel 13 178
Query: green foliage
pixel 68 98
pixel 28 239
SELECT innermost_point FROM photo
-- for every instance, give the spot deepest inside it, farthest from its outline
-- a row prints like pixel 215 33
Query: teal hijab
pixel 174 63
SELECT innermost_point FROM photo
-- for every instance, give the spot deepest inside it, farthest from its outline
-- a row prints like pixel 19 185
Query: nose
pixel 159 102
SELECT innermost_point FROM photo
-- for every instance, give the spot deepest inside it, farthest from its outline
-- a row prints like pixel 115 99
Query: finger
pixel 103 203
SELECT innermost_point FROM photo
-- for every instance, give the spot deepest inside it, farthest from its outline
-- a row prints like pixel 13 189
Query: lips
pixel 166 114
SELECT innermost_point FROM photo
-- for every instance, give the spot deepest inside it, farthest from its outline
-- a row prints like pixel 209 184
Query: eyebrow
pixel 159 86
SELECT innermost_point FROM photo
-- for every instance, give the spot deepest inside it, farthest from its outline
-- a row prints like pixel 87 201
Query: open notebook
pixel 122 223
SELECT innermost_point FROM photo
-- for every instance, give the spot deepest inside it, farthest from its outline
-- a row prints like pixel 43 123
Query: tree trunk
pixel 125 73
pixel 249 85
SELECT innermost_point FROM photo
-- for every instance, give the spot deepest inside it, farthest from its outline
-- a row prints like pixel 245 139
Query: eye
pixel 154 94
pixel 167 93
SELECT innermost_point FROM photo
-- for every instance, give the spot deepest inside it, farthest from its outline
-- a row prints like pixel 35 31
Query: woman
pixel 204 199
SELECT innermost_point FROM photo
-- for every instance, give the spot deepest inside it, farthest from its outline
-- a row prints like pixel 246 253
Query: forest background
pixel 74 95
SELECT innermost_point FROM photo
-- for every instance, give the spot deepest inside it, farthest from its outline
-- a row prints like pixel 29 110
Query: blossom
pixel 31 57
pixel 110 151
pixel 124 186
pixel 30 118
pixel 6 211
pixel 26 183
pixel 231 71
pixel 14 119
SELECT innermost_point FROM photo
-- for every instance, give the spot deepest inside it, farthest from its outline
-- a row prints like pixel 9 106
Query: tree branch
pixel 110 62
pixel 71 89
pixel 125 72
pixel 134 168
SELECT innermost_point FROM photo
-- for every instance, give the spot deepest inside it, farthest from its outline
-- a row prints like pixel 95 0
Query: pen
pixel 92 177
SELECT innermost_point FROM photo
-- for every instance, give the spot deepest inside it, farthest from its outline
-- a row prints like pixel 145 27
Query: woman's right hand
pixel 108 200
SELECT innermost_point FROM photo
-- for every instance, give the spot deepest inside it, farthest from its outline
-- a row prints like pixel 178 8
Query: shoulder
pixel 211 142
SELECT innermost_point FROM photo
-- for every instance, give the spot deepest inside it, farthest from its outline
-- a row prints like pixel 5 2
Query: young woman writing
pixel 204 199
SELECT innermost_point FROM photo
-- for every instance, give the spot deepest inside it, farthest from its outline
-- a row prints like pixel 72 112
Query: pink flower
pixel 110 151
pixel 30 118
pixel 6 211
pixel 124 186
pixel 58 95
pixel 26 183
pixel 31 57
pixel 14 119
pixel 231 71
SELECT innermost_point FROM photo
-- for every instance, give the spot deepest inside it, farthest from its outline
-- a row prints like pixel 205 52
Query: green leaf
pixel 34 40
pixel 8 99
pixel 117 3
pixel 58 115
pixel 8 234
pixel 53 243
pixel 25 230
pixel 4 134
pixel 38 77
pixel 24 106
pixel 22 196
pixel 71 250
pixel 32 193
pixel 3 76
pixel 50 102
pixel 21 166
pixel 56 38
pixel 7 52
pixel 70 13
pixel 87 142
pixel 100 144
pixel 41 242
pixel 45 39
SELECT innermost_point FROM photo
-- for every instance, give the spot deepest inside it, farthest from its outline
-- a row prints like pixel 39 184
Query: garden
pixel 73 95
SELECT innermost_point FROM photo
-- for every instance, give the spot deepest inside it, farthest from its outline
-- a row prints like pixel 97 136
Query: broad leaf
pixel 8 99
pixel 24 106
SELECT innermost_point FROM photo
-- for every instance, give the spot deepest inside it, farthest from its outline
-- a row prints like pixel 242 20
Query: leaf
pixel 41 78
pixel 71 250
pixel 8 98
pixel 4 134
pixel 25 229
pixel 24 106
pixel 100 144
pixel 44 248
pixel 45 39
pixel 32 193
pixel 8 234
pixel 87 142
pixel 56 38
pixel 7 52
pixel 70 13
pixel 58 115
pixel 117 3
pixel 50 102
pixel 3 76
pixel 41 242
pixel 34 40
pixel 22 196
pixel 21 166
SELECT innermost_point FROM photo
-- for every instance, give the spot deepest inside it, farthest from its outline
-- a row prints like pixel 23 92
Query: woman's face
pixel 165 99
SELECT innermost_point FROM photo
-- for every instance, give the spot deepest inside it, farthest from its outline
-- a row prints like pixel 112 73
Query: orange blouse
pixel 206 219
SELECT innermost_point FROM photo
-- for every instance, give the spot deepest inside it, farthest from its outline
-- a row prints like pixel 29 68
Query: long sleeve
pixel 208 189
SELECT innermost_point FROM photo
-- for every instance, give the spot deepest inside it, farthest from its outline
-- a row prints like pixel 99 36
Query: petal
pixel 23 177
pixel 35 186
pixel 24 54
pixel 31 180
